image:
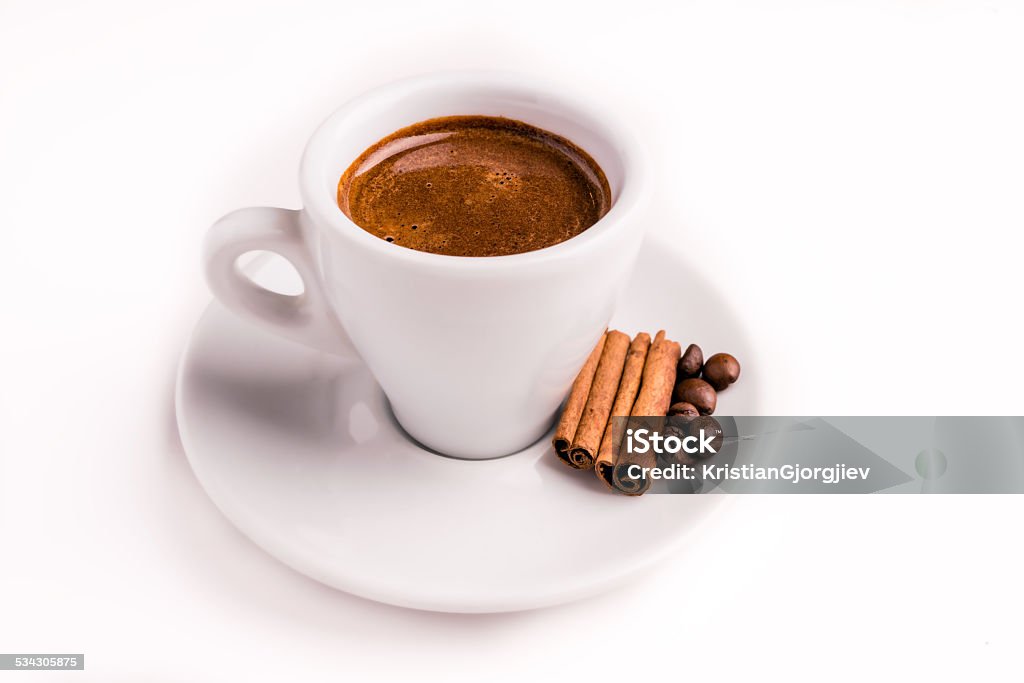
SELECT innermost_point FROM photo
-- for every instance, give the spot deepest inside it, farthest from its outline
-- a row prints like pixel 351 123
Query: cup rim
pixel 634 188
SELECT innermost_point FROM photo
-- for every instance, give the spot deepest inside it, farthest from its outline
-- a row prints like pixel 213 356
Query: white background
pixel 848 174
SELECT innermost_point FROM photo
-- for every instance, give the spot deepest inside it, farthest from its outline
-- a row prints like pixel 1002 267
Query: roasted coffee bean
pixel 711 428
pixel 691 363
pixel 683 408
pixel 698 393
pixel 677 426
pixel 721 370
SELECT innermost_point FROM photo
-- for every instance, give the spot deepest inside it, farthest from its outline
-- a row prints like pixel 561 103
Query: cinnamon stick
pixel 578 395
pixel 653 400
pixel 629 386
pixel 587 440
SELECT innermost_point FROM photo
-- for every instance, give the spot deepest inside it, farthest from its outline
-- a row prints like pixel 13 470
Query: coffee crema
pixel 474 186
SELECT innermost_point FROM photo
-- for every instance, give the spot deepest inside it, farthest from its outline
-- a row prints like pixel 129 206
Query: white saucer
pixel 300 451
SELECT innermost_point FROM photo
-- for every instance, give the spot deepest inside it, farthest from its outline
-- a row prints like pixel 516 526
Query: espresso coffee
pixel 474 186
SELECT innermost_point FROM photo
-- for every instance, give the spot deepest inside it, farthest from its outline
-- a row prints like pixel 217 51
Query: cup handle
pixel 306 317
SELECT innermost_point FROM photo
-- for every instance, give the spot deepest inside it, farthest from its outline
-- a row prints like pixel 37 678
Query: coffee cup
pixel 474 354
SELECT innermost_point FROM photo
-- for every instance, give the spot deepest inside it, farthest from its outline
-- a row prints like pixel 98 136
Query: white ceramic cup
pixel 475 354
